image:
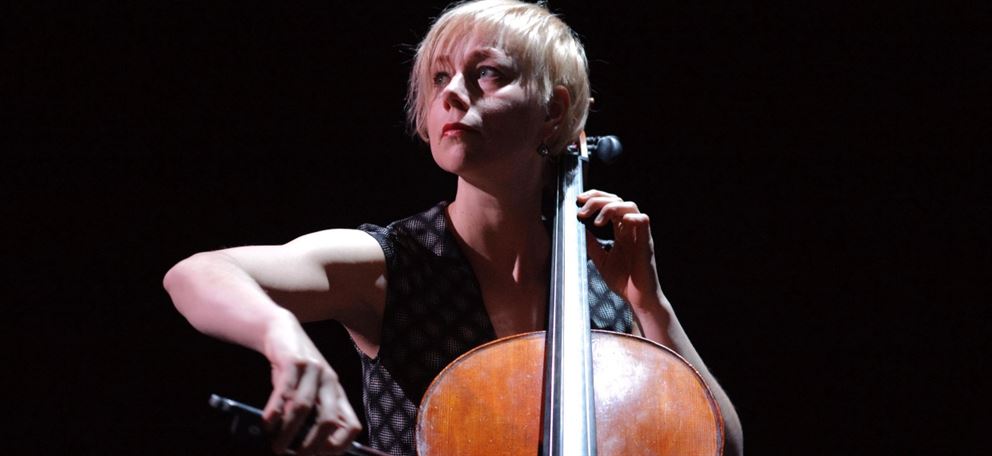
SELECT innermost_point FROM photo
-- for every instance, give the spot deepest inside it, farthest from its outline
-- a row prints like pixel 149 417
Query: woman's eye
pixel 488 72
pixel 441 79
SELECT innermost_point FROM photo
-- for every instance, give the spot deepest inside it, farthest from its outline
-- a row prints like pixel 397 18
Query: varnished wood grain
pixel 649 401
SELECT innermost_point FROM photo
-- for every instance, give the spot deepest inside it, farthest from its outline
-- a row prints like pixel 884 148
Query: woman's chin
pixel 455 157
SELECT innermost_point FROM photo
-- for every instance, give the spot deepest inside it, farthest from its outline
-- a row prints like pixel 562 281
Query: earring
pixel 543 150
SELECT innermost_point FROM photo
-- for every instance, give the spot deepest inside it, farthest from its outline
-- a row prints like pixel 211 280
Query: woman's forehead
pixel 472 52
pixel 471 43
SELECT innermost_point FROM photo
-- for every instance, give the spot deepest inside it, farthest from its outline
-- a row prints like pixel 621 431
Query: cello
pixel 570 391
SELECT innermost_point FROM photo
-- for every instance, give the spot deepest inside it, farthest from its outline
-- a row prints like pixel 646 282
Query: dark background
pixel 815 176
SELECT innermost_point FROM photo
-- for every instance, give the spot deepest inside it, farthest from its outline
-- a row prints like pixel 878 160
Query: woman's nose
pixel 455 93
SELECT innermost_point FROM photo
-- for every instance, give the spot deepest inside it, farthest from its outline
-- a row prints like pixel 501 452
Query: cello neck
pixel 568 424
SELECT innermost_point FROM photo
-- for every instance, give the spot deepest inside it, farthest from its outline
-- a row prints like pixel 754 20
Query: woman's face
pixel 482 123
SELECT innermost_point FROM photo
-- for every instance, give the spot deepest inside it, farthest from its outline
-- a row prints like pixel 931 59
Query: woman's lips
pixel 455 128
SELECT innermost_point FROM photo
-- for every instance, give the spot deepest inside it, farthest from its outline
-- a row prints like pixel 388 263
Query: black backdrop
pixel 812 172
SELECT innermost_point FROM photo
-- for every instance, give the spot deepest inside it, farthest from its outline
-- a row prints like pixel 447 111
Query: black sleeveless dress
pixel 433 314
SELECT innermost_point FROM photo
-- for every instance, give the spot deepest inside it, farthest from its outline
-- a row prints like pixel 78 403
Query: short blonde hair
pixel 548 51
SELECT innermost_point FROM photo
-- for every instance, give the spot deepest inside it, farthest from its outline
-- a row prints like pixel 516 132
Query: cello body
pixel 649 401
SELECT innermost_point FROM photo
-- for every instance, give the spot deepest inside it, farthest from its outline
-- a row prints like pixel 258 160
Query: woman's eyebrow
pixel 475 56
pixel 441 60
pixel 489 53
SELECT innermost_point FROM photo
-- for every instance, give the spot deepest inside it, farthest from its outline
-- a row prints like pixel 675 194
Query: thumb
pixel 594 250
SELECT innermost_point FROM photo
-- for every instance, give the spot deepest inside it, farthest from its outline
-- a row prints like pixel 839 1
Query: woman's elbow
pixel 180 281
pixel 179 275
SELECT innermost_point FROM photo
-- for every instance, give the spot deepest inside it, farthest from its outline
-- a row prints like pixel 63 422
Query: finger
pixel 283 382
pixel 629 232
pixel 595 204
pixel 615 211
pixel 298 406
pixel 272 414
pixel 593 192
pixel 584 198
pixel 316 439
pixel 347 427
pixel 641 225
pixel 594 250
pixel 328 417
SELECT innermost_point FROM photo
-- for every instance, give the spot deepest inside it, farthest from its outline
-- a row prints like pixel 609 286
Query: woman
pixel 496 87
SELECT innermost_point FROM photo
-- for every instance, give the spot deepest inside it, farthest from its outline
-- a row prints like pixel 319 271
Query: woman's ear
pixel 557 109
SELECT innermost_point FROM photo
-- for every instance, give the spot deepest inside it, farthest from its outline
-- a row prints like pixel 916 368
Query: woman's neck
pixel 503 234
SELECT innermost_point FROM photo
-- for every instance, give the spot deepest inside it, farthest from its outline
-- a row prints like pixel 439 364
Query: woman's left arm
pixel 629 269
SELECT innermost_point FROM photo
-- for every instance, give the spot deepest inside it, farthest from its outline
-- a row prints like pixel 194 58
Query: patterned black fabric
pixel 433 314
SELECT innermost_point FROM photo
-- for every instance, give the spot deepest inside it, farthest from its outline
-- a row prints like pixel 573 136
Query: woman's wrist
pixel 275 329
pixel 654 316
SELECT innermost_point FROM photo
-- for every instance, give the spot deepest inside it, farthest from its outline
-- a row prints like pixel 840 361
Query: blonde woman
pixel 496 87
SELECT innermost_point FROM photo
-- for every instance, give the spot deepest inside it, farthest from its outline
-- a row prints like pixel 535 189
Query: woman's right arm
pixel 256 297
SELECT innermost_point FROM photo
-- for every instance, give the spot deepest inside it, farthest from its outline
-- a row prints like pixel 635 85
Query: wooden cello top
pixel 648 401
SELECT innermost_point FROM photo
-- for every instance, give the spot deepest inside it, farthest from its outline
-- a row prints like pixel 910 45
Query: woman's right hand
pixel 304 384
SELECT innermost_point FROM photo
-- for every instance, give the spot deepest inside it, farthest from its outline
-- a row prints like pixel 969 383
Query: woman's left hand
pixel 628 267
